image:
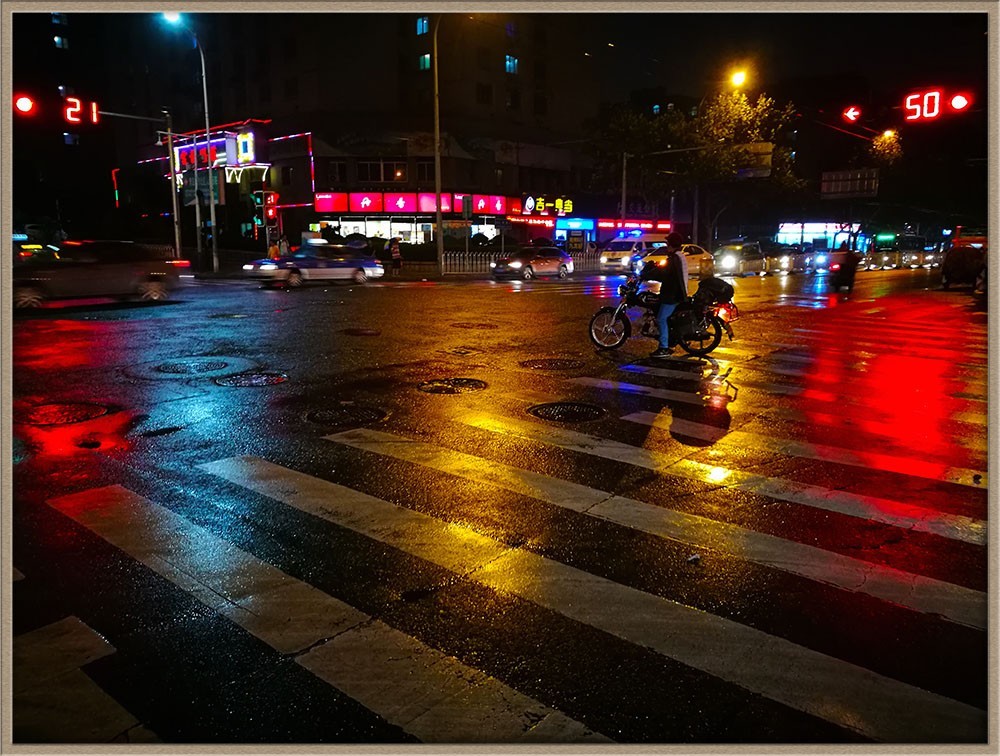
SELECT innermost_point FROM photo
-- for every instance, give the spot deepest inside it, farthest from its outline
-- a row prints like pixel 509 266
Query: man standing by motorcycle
pixel 673 278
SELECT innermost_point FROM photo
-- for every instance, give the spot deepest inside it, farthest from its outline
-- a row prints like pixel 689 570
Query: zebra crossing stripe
pixel 870 460
pixel 927 595
pixel 451 702
pixel 686 397
pixel 876 509
pixel 54 700
pixel 845 694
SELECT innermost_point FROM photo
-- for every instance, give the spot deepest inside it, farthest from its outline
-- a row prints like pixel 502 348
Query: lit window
pixel 64 91
pixel 59 19
pixel 61 42
pixel 422 25
pixel 71 138
pixel 656 110
pixel 510 66
pixel 425 62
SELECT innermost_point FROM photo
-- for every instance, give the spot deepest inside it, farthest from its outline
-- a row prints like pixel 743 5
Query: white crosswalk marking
pixel 906 589
pixel 845 694
pixel 874 508
pixel 450 703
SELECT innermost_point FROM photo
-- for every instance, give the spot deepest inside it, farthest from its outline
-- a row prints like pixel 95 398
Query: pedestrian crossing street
pixel 702 569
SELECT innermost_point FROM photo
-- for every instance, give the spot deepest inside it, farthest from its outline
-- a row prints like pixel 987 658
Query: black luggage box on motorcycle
pixel 714 290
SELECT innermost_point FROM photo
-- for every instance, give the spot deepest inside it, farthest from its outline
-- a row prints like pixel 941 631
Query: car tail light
pixel 835 266
pixel 180 263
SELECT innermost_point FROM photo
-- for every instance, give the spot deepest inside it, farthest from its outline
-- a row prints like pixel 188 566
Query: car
pixel 620 254
pixel 740 259
pixel 963 264
pixel 316 262
pixel 94 268
pixel 700 262
pixel 786 258
pixel 532 262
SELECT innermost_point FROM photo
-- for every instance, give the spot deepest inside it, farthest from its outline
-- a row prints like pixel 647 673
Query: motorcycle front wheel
pixel 609 330
pixel 700 344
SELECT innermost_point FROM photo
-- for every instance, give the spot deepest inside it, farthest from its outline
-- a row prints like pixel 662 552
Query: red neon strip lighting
pixel 312 163
pixel 226 125
pixel 114 180
pixel 300 204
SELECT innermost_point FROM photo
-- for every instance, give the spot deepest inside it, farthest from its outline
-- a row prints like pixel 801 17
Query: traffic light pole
pixel 173 173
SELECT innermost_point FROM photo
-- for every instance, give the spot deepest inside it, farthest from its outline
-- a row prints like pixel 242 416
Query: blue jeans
pixel 665 311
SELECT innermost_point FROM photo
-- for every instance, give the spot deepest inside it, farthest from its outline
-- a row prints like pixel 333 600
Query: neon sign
pixel 427 202
pixel 244 148
pixel 539 204
pixel 400 202
pixel 74 111
pixel 929 104
pixel 330 202
pixel 643 225
pixel 365 202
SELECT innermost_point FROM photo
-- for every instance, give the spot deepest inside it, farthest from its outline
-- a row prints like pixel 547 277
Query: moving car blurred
pixel 316 262
pixel 700 262
pixel 78 269
pixel 531 262
pixel 740 259
pixel 963 264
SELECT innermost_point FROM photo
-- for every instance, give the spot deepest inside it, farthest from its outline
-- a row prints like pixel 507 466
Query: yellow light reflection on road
pixel 718 474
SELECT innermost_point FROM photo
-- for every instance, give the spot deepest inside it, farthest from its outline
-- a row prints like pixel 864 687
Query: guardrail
pixel 479 261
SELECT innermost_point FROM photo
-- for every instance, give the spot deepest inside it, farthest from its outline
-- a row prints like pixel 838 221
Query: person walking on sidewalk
pixel 397 256
pixel 673 278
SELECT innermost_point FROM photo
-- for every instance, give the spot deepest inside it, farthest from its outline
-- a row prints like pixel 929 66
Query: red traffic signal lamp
pixel 852 114
pixel 24 105
pixel 270 199
pixel 929 104
pixel 270 216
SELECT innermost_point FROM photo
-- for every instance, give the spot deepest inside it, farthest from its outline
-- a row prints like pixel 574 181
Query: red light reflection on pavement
pixel 61 345
pixel 102 433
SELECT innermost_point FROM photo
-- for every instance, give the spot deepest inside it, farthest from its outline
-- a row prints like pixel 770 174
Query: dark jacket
pixel 673 287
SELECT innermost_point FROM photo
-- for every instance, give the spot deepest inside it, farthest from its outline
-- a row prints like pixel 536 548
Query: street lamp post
pixel 439 235
pixel 175 18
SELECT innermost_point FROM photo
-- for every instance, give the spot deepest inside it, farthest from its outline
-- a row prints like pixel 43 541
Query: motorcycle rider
pixel 673 278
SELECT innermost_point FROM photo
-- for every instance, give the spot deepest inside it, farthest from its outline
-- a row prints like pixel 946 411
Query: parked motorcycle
pixel 696 325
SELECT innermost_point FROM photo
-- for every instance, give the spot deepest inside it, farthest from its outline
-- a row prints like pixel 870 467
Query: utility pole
pixel 624 164
pixel 173 172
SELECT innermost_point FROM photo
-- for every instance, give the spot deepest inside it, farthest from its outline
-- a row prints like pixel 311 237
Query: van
pixel 619 254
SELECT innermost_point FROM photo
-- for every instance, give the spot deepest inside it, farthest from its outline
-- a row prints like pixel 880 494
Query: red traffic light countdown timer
pixel 930 104
pixel 73 110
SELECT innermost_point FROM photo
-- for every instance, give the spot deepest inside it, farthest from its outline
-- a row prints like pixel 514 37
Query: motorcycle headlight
pixel 515 264
pixel 637 265
pixel 728 261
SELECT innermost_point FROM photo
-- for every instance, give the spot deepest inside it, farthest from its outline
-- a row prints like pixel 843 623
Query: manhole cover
pixel 244 380
pixel 568 412
pixel 347 414
pixel 475 326
pixel 452 386
pixel 191 367
pixel 361 331
pixel 63 414
pixel 463 351
pixel 554 363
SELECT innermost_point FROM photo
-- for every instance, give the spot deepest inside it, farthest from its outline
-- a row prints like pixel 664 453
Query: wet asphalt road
pixel 328 515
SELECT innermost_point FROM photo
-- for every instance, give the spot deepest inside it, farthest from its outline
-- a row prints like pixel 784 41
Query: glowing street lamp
pixel 738 79
pixel 176 20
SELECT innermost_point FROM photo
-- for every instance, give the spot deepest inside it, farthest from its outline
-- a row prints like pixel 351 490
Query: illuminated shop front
pixel 824 235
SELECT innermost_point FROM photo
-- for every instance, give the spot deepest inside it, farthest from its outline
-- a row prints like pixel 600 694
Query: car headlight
pixel 728 261
pixel 604 259
pixel 515 264
pixel 493 264
pixel 821 259
pixel 625 260
pixel 248 266
pixel 930 257
pixel 784 261
pixel 268 266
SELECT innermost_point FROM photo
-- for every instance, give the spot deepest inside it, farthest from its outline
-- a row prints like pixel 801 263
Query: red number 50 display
pixel 929 104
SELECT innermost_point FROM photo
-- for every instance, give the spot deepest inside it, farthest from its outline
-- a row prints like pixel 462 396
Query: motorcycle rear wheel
pixel 700 346
pixel 608 331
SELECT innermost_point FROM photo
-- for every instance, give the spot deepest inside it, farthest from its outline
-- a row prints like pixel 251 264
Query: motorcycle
pixel 696 325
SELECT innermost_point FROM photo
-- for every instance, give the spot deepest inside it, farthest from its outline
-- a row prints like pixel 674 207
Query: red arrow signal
pixel 852 113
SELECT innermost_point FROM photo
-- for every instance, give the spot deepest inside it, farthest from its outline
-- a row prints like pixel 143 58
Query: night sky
pixel 897 52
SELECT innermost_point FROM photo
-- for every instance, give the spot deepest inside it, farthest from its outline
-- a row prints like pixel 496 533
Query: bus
pixel 892 251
